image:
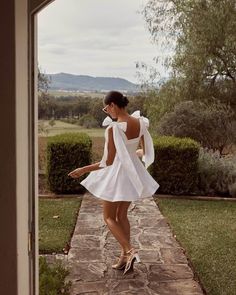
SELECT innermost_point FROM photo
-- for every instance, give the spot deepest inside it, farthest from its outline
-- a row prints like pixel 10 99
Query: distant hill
pixel 64 81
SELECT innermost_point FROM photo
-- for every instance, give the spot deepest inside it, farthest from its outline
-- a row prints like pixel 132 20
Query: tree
pixel 43 82
pixel 95 106
pixel 47 106
pixel 210 124
pixel 46 103
pixel 202 34
pixel 202 31
pixel 136 103
pixel 162 100
pixel 81 106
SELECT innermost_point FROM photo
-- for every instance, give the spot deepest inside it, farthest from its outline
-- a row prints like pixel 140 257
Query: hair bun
pixel 125 100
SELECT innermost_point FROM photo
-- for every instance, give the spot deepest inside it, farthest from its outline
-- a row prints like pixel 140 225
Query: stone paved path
pixel 164 269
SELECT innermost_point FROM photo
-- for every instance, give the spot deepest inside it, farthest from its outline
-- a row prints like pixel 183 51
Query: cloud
pixel 97 38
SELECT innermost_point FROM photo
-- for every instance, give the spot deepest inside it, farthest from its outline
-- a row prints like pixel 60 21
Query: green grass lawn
pixel 207 230
pixel 55 233
pixel 61 127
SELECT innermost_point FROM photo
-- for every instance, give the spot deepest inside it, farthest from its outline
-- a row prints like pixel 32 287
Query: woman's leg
pixel 122 218
pixel 109 215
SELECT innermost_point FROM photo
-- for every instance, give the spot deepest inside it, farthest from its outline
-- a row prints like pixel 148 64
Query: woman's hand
pixel 77 172
pixel 139 152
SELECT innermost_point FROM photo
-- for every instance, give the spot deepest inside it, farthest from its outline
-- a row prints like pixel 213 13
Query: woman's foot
pixel 121 262
pixel 132 256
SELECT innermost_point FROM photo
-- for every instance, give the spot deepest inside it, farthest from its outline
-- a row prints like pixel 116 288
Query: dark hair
pixel 117 98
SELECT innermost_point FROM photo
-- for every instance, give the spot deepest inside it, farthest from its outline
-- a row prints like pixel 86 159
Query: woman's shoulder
pixel 144 120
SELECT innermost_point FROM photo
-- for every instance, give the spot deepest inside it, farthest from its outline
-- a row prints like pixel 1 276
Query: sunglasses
pixel 105 109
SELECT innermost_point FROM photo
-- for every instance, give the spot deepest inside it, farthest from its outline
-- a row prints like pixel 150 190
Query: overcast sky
pixel 94 37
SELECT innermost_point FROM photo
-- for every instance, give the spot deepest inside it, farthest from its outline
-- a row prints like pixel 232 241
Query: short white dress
pixel 127 179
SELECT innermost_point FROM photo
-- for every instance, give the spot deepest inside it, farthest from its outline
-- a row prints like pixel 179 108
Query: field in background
pixel 61 127
pixel 58 93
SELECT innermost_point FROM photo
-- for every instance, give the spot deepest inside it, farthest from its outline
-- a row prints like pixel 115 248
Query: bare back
pixel 133 128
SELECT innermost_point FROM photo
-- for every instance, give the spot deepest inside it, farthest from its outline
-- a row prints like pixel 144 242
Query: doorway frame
pixel 34 6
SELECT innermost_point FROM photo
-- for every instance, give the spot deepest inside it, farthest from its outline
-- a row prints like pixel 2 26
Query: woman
pixel 120 177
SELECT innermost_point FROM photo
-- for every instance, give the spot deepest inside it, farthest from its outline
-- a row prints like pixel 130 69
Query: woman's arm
pixel 85 169
pixel 110 158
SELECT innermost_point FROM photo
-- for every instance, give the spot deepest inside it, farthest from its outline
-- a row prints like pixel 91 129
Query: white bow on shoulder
pixel 148 158
pixel 109 122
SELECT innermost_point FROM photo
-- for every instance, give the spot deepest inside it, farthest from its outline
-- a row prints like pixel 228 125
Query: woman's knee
pixel 122 211
pixel 109 211
pixel 108 218
pixel 121 217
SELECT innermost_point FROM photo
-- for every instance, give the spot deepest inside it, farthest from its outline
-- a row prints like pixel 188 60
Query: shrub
pixel 176 165
pixel 52 122
pixel 43 128
pixel 66 152
pixel 69 120
pixel 52 279
pixel 210 124
pixel 232 190
pixel 88 121
pixel 217 174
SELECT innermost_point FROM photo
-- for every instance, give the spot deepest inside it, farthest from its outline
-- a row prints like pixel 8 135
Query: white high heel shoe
pixel 131 259
pixel 121 262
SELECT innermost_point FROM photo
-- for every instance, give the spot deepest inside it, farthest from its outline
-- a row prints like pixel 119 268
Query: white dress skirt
pixel 127 179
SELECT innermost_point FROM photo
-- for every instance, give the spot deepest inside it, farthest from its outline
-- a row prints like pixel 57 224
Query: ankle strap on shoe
pixel 132 250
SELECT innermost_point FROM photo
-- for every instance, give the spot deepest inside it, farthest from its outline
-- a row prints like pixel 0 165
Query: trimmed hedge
pixel 176 165
pixel 66 152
